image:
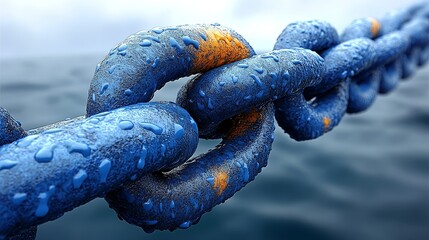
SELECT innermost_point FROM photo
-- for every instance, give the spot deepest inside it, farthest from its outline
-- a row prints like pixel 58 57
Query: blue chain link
pixel 135 154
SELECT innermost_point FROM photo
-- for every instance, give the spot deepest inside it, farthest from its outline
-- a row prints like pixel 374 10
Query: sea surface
pixel 367 179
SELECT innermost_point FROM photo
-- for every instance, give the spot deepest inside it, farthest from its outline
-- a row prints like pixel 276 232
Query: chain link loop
pixel 135 154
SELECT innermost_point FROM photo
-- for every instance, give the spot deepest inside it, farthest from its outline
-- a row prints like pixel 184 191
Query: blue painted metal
pixel 343 61
pixel 222 93
pixel 51 172
pixel 389 48
pixel 145 61
pixel 397 54
pixel 135 155
pixel 177 199
pixel 10 129
pixel 303 119
pixel 363 90
pixel 315 35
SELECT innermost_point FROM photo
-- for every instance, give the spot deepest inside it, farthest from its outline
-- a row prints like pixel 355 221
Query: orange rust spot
pixel 326 123
pixel 220 181
pixel 375 26
pixel 243 122
pixel 218 49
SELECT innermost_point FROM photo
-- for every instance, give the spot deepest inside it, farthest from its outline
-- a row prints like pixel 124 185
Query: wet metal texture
pixel 135 153
pixel 145 61
pixel 46 174
pixel 179 198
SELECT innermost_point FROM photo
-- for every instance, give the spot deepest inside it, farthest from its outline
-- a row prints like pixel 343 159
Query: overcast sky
pixel 57 27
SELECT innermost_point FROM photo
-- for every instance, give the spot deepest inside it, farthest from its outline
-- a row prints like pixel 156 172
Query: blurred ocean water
pixel 367 179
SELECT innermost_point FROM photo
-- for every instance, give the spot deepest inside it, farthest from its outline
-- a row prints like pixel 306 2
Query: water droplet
pixel 112 51
pixel 234 79
pixel 155 63
pixel 174 44
pixel 145 43
pixel 42 208
pixel 202 93
pixel 25 142
pixel 128 92
pixel 52 130
pixel 126 125
pixel 221 83
pixel 210 104
pixel 103 114
pixel 203 36
pixel 18 198
pixel 142 160
pixel 200 106
pixel 194 124
pixel 79 178
pixel 122 47
pixel 104 88
pixel 76 147
pixel 344 74
pixel 256 79
pixel 296 62
pixel 242 65
pixel 157 30
pixel 245 172
pixel 172 204
pixel 273 76
pixel 153 38
pixel 260 94
pixel 148 205
pixel 45 154
pixel 97 67
pixel 163 148
pixel 150 222
pixel 93 97
pixel 275 58
pixel 210 180
pixel 178 131
pixel 7 164
pixel 189 41
pixel 104 169
pixel 133 177
pixel 259 70
pixel 93 121
pixel 185 225
pixel 286 74
pixel 112 68
pixel 248 97
pixel 152 127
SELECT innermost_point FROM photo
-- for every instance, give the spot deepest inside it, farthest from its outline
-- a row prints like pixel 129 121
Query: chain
pixel 135 154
